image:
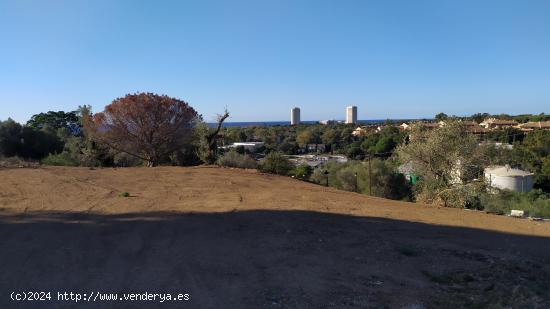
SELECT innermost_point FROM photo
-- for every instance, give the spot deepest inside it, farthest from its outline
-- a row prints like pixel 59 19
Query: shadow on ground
pixel 269 259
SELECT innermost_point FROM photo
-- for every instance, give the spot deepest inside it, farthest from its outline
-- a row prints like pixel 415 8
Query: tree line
pixel 150 130
pixel 141 128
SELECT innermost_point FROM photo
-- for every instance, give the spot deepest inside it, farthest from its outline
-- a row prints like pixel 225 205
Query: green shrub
pixel 276 163
pixel 124 194
pixel 16 162
pixel 354 176
pixel 536 203
pixel 302 171
pixel 235 159
pixel 61 159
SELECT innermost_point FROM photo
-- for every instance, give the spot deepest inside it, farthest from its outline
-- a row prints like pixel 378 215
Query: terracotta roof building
pixel 493 123
pixel 530 126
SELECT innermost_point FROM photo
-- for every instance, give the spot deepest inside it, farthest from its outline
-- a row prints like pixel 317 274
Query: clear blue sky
pixel 393 59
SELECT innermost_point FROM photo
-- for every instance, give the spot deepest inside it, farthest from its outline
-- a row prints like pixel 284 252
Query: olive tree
pixel 449 163
pixel 208 139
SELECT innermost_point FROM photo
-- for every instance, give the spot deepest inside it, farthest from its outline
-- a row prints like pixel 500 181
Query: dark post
pixel 370 177
pixel 355 174
pixel 326 174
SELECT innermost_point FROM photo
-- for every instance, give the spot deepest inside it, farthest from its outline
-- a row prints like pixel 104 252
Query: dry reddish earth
pixel 241 239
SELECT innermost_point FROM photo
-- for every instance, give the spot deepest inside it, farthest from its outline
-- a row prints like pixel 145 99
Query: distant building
pixel 422 125
pixel 475 128
pixel 505 177
pixel 316 161
pixel 380 128
pixel 404 127
pixel 295 116
pixel 359 131
pixel 429 125
pixel 351 114
pixel 328 122
pixel 250 146
pixel 493 123
pixel 530 126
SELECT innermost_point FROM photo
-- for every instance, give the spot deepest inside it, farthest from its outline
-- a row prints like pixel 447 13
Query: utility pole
pixel 370 177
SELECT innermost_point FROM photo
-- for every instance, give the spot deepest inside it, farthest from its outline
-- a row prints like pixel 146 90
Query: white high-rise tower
pixel 295 116
pixel 351 114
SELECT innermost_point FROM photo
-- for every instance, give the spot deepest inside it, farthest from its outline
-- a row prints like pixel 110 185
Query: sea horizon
pixel 286 123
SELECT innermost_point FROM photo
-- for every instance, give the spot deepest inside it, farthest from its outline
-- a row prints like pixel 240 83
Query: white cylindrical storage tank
pixel 505 177
pixel 295 116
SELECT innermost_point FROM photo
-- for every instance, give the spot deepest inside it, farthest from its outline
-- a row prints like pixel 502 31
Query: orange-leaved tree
pixel 145 125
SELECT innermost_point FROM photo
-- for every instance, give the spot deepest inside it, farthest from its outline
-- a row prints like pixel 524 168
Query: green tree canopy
pixel 54 120
pixel 448 160
pixel 441 117
pixel 276 163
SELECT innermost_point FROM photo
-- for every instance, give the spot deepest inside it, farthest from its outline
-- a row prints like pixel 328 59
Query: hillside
pixel 212 189
pixel 241 239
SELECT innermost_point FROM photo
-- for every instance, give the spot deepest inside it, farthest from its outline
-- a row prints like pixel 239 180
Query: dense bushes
pixel 17 162
pixel 302 172
pixel 276 163
pixel 533 154
pixel 59 138
pixel 235 159
pixel 354 176
pixel 536 202
pixel 383 142
pixel 61 159
pixel 27 142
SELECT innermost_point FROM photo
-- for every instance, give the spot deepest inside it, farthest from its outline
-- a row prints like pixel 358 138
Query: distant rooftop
pixel 537 124
pixel 500 121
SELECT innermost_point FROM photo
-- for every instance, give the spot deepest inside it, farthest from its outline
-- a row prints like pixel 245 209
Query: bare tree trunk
pixel 151 161
pixel 212 138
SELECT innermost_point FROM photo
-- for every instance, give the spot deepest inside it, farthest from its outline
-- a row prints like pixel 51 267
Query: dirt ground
pixel 240 239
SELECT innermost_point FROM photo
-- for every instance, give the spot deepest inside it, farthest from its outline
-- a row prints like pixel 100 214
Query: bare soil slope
pixel 241 239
